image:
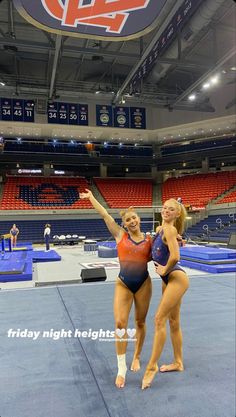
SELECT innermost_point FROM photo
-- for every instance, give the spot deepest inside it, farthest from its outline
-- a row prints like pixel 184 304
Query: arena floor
pixel 58 374
pixel 68 270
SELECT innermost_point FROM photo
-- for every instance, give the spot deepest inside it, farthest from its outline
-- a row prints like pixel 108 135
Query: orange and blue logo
pixel 98 19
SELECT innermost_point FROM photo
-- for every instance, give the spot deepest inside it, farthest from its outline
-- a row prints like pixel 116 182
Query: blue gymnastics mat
pixel 212 260
pixel 74 377
pixel 205 252
pixel 18 266
pixel 15 266
pixel 212 269
pixel 42 256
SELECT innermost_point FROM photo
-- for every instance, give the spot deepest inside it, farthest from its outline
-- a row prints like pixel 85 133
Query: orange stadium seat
pixel 120 193
pixel 230 198
pixel 198 190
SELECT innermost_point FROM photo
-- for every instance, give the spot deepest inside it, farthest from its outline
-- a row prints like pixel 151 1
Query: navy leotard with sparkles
pixel 161 253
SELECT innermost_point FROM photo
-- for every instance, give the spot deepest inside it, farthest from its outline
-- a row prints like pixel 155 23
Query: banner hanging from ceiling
pixel 97 19
pixel 179 20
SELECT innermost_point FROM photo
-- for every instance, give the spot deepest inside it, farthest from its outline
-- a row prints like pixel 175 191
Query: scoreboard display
pixel 17 110
pixel 68 113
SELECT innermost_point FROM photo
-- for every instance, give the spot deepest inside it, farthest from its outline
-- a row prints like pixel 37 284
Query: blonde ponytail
pixel 180 221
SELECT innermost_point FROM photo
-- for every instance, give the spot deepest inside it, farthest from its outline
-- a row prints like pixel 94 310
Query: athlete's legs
pixel 123 300
pixel 177 341
pixel 163 287
pixel 173 293
pixel 141 300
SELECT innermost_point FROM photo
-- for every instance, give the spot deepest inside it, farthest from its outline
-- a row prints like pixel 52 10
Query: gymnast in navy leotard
pixel 14 232
pixel 165 252
pixel 133 284
pixel 161 254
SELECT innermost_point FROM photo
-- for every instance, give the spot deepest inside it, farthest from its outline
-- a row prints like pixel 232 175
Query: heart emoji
pixel 131 332
pixel 120 332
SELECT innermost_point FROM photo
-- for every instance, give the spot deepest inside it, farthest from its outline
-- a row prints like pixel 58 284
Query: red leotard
pixel 133 257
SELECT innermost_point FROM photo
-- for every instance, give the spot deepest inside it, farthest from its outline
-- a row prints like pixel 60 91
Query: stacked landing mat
pixel 209 259
pixel 18 265
pixel 15 266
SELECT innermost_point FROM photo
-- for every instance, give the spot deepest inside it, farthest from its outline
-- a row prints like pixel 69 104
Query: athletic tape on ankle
pixel 121 362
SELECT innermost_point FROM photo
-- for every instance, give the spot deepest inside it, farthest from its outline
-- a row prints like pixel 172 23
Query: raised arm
pixel 170 234
pixel 112 226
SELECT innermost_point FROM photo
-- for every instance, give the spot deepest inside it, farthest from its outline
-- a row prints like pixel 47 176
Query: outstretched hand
pixel 88 194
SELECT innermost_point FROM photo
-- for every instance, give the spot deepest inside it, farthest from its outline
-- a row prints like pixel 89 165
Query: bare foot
pixel 135 365
pixel 149 376
pixel 172 367
pixel 120 381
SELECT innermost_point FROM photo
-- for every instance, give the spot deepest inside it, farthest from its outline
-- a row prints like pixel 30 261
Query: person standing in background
pixel 14 232
pixel 47 232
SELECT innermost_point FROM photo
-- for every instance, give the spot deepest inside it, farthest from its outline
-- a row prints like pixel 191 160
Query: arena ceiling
pixel 44 66
pixel 48 66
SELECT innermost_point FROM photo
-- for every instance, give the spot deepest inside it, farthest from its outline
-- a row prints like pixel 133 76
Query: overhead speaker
pixel 93 275
pixel 232 241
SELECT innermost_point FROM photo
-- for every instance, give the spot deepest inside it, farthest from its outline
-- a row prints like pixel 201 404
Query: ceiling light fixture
pixel 214 80
pixel 192 97
pixel 206 86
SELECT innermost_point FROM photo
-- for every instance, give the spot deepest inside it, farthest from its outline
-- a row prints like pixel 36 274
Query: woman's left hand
pixel 88 194
pixel 160 269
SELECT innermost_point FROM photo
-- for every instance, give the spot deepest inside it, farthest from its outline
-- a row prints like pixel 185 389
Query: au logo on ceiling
pixel 98 19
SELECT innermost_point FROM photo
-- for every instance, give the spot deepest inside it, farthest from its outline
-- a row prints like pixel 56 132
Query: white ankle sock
pixel 121 362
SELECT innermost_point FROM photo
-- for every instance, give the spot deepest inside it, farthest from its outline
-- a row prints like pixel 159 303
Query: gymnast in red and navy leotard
pixel 133 284
pixel 165 252
pixel 133 257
